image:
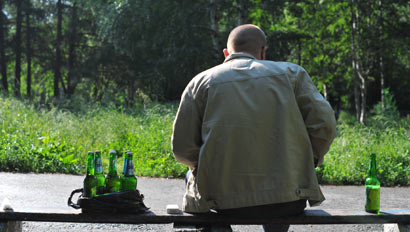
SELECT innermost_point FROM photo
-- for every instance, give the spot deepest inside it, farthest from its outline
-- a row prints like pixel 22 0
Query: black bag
pixel 121 202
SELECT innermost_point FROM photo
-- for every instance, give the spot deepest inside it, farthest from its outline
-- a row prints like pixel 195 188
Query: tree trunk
pixel 299 51
pixel 57 71
pixel 361 74
pixel 325 91
pixel 131 93
pixel 360 77
pixel 215 30
pixel 381 52
pixel 363 95
pixel 28 49
pixel 3 64
pixel 71 55
pixel 242 7
pixel 355 77
pixel 19 19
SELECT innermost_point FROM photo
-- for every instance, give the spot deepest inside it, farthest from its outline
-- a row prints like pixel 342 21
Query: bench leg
pixel 186 228
pixel 396 228
pixel 200 228
pixel 10 226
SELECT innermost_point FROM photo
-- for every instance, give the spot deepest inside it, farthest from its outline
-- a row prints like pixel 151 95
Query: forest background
pixel 84 75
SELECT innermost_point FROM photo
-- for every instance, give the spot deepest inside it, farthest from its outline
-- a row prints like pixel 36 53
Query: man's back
pixel 255 147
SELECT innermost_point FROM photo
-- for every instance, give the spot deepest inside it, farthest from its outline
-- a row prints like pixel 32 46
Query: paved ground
pixel 53 190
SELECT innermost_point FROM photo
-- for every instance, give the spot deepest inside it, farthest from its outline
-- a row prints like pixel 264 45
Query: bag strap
pixel 70 202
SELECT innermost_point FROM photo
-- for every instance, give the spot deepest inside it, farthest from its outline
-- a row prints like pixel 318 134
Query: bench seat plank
pixel 400 216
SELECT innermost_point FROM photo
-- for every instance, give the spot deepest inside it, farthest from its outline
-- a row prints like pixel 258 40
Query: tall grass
pixel 348 159
pixel 57 140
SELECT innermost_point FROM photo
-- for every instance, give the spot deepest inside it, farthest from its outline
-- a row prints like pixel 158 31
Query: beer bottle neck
pixel 98 163
pixel 372 167
pixel 128 166
pixel 90 165
pixel 113 167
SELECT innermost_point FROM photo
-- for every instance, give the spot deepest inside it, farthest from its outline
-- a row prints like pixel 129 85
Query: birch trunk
pixel 360 77
pixel 356 81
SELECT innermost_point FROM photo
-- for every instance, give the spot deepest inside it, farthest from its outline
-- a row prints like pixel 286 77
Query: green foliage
pixel 385 134
pixel 57 140
pixel 348 158
pixel 388 111
pixel 112 49
pixel 22 145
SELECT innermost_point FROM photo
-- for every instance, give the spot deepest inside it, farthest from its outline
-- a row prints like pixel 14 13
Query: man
pixel 252 132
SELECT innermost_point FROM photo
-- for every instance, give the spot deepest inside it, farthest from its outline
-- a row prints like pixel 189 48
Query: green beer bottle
pixel 128 179
pixel 99 173
pixel 112 182
pixel 90 182
pixel 372 186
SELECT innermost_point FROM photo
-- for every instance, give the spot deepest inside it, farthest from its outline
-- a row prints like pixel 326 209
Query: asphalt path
pixel 53 190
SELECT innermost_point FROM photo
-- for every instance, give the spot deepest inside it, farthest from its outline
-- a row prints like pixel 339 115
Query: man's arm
pixel 318 115
pixel 186 137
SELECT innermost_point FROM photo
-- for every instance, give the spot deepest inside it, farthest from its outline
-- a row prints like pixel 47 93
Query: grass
pixel 348 159
pixel 56 140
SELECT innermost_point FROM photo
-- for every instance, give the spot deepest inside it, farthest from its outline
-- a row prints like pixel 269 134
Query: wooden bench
pixel 398 219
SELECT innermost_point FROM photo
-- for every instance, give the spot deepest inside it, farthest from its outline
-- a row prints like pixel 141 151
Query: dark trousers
pixel 272 210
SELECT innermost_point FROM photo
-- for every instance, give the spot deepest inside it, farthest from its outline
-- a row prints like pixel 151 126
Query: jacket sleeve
pixel 186 137
pixel 317 113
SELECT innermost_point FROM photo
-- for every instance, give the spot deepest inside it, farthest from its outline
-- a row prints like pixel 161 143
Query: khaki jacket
pixel 251 131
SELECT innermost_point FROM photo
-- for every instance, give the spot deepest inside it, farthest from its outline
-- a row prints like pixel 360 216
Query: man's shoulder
pixel 205 76
pixel 281 66
pixel 219 72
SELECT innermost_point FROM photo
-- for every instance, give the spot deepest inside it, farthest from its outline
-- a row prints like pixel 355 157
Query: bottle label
pixel 124 167
pixel 130 170
pixel 372 199
pixel 98 165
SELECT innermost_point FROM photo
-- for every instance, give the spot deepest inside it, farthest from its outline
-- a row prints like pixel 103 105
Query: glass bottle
pixel 90 181
pixel 372 186
pixel 112 181
pixel 99 173
pixel 128 179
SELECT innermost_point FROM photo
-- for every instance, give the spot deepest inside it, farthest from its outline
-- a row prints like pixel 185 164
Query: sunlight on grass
pixel 57 140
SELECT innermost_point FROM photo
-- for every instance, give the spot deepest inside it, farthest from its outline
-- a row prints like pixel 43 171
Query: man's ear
pixel 263 52
pixel 226 53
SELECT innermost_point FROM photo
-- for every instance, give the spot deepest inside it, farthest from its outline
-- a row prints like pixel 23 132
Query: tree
pixel 3 58
pixel 57 66
pixel 111 51
pixel 72 46
pixel 28 47
pixel 19 19
pixel 214 28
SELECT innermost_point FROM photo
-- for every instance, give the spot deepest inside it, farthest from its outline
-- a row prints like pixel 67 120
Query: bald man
pixel 252 132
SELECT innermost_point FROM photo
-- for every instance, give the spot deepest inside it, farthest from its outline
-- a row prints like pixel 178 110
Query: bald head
pixel 247 38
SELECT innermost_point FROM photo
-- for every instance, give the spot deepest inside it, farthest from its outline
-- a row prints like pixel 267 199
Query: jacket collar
pixel 238 55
